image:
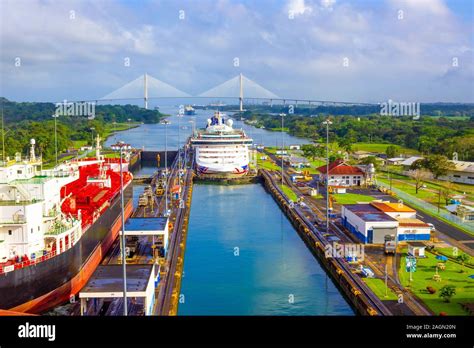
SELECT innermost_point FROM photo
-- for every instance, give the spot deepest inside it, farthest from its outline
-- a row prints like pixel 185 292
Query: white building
pixel 409 161
pixel 395 160
pixel 370 223
pixel 342 174
pixel 463 173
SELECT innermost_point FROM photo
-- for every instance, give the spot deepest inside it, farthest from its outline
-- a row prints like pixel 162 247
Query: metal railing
pixel 429 208
pixel 46 256
pixel 28 262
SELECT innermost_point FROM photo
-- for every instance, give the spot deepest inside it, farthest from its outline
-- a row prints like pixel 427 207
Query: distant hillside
pixel 24 121
pixel 428 135
pixel 16 112
pixel 432 109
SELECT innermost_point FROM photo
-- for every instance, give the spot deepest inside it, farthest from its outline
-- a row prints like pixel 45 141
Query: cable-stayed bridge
pixel 147 87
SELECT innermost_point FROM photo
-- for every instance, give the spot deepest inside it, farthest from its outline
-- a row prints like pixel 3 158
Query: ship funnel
pixel 32 150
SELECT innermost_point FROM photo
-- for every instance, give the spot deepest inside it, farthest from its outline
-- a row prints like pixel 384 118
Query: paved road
pixel 445 231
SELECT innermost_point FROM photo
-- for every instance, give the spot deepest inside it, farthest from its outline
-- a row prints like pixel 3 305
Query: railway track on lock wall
pixel 317 236
pixel 167 298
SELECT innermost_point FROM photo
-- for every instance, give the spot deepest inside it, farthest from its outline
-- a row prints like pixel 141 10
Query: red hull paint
pixel 64 292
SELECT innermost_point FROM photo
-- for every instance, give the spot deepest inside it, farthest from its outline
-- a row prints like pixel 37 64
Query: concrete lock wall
pixel 150 157
pixel 351 291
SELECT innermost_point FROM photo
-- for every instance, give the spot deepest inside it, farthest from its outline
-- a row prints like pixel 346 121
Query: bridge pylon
pixel 241 95
pixel 145 86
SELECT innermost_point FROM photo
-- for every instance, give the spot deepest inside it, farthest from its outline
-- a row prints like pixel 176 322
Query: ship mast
pixel 97 147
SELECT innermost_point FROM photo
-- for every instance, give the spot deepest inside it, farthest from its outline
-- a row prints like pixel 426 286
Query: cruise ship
pixel 189 110
pixel 220 150
pixel 56 226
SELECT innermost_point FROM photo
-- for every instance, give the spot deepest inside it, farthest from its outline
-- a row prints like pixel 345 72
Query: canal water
pixel 152 136
pixel 243 257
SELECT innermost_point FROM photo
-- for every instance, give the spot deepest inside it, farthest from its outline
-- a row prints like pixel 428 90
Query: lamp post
pixel 3 141
pixel 193 121
pixel 282 147
pixel 327 123
pixel 166 123
pixel 121 146
pixel 115 134
pixel 128 120
pixel 92 136
pixel 56 137
pixel 180 114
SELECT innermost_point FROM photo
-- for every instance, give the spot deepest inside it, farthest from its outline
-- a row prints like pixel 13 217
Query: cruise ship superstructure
pixel 221 150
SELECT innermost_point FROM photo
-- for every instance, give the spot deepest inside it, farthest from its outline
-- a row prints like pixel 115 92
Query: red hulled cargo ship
pixel 56 226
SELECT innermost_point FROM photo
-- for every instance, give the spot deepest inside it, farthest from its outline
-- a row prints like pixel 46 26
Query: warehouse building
pixel 367 223
pixel 371 222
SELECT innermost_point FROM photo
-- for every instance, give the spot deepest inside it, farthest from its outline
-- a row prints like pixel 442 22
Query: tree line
pixel 23 121
pixel 428 135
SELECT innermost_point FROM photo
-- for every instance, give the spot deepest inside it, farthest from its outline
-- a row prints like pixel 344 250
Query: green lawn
pixel 278 129
pixel 351 198
pixel 266 164
pixel 51 164
pixel 110 127
pixel 378 287
pixel 77 144
pixel 451 252
pixel 422 278
pixel 427 196
pixel 289 193
pixel 380 148
pixel 434 185
pixel 112 155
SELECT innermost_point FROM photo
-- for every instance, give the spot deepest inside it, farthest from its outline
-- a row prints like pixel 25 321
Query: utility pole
pixel 3 140
pixel 56 137
pixel 439 198
pixel 282 148
pixel 327 123
pixel 120 146
pixel 166 122
pixel 180 114
pixel 92 136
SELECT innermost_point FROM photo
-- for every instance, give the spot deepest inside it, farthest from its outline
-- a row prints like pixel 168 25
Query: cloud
pixel 298 7
pixel 405 59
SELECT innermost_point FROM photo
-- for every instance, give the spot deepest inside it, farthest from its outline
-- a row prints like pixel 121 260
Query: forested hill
pixel 427 109
pixel 24 121
pixel 17 112
pixel 429 135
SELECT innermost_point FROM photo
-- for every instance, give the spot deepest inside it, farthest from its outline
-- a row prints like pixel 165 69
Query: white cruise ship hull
pixel 228 170
pixel 221 151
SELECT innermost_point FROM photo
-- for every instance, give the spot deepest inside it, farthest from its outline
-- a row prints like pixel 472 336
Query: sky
pixel 338 50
